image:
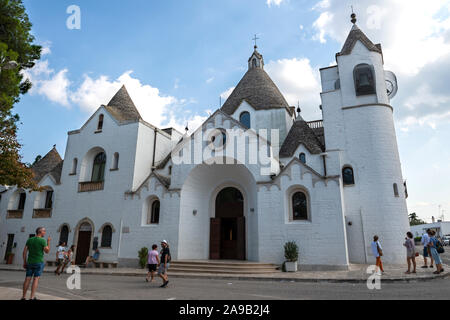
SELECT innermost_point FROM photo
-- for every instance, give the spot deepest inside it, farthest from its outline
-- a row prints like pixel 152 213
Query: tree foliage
pixel 414 220
pixel 16 44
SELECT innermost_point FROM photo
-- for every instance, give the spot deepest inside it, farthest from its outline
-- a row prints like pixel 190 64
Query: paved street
pixel 135 288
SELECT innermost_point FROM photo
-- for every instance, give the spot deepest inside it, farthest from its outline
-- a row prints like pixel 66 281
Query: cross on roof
pixel 254 39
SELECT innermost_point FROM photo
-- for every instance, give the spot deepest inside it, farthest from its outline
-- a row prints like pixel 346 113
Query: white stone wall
pixel 321 240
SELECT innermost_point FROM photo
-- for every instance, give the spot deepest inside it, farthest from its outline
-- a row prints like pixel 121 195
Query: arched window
pixel 348 176
pixel 98 171
pixel 22 199
pixel 299 206
pixel 106 237
pixel 396 193
pixel 100 123
pixel 245 119
pixel 74 166
pixel 64 235
pixel 153 212
pixel 116 161
pixel 254 63
pixel 302 158
pixel 364 77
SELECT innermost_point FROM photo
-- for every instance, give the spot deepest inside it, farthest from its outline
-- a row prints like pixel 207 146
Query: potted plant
pixel 9 258
pixel 143 255
pixel 291 255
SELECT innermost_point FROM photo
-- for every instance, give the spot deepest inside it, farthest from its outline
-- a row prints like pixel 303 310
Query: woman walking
pixel 410 252
pixel 434 253
pixel 153 262
pixel 377 252
pixel 68 258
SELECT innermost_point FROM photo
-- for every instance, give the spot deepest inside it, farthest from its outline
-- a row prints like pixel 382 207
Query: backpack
pixel 439 247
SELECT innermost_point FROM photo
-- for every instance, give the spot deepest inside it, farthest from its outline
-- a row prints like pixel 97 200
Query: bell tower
pixel 361 140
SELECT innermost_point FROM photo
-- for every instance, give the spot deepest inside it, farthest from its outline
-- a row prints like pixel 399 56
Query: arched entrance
pixel 83 243
pixel 227 232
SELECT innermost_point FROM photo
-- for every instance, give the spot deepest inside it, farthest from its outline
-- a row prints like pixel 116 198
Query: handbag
pixel 439 247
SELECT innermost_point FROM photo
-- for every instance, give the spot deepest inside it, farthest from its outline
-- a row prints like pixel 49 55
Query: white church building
pixel 254 176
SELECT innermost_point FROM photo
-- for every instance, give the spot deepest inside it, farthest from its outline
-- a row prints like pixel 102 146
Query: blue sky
pixel 178 57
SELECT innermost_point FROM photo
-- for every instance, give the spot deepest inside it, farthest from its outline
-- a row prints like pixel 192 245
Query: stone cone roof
pixel 50 163
pixel 300 133
pixel 355 35
pixel 258 90
pixel 122 107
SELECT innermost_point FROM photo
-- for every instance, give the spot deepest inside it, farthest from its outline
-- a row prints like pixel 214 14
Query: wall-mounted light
pixel 252 209
pixel 350 223
pixel 194 212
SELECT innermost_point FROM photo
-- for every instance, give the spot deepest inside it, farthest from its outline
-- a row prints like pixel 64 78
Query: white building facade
pixel 254 176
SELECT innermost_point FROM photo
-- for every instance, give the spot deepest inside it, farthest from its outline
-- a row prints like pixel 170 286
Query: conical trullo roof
pixel 50 163
pixel 258 90
pixel 122 107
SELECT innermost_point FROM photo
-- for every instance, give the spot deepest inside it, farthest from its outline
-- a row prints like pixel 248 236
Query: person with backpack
pixel 426 249
pixel 377 252
pixel 410 252
pixel 436 248
pixel 164 263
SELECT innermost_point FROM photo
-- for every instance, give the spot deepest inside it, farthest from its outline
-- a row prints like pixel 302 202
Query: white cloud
pixel 274 2
pixel 224 95
pixel 159 109
pixel 210 80
pixel 299 82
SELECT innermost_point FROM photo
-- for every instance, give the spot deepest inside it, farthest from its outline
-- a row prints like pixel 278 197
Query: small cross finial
pixel 353 16
pixel 299 110
pixel 255 39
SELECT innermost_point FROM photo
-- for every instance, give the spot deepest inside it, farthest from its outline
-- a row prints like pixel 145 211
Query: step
pixel 224 263
pixel 230 267
pixel 220 271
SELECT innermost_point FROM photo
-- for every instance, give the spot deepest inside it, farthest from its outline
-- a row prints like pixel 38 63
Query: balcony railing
pixel 316 124
pixel 90 186
pixel 14 214
pixel 42 213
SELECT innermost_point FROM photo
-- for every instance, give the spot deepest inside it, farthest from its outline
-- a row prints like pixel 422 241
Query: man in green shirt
pixel 34 263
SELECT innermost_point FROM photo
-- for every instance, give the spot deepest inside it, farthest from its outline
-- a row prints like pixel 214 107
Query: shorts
pixel 425 252
pixel 35 270
pixel 162 268
pixel 152 267
pixel 60 262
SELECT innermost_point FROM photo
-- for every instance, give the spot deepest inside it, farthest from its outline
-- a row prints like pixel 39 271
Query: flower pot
pixel 291 266
pixel 10 259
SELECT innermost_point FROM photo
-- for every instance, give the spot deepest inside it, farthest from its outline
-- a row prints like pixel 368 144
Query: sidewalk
pixel 355 274
pixel 16 294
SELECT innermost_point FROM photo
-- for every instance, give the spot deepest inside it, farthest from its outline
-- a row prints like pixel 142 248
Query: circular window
pixel 217 139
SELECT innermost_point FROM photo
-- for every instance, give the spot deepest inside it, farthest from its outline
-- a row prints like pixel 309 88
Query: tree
pixel 16 44
pixel 414 220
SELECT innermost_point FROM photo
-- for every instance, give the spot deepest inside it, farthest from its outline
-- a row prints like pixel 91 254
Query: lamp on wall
pixel 252 210
pixel 194 212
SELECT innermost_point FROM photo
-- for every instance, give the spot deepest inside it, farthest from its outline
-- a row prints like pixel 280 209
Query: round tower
pixel 360 125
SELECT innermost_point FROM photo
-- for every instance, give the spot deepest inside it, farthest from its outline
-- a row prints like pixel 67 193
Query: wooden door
pixel 9 244
pixel 214 243
pixel 83 246
pixel 241 238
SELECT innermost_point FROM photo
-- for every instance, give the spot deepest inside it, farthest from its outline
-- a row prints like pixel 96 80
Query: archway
pixel 227 231
pixel 84 242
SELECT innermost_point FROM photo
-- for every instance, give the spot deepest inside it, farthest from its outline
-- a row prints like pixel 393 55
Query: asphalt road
pixel 135 288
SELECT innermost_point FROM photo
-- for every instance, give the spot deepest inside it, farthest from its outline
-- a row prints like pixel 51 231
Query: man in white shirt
pixel 426 251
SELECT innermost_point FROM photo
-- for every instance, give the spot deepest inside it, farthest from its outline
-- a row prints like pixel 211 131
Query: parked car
pixel 446 240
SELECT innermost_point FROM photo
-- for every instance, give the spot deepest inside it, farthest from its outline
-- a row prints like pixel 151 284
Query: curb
pixel 268 279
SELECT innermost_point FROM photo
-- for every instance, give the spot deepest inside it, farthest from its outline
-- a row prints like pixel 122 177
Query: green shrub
pixel 418 239
pixel 291 251
pixel 143 255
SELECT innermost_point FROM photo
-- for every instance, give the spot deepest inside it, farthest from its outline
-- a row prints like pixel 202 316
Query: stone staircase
pixel 222 267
